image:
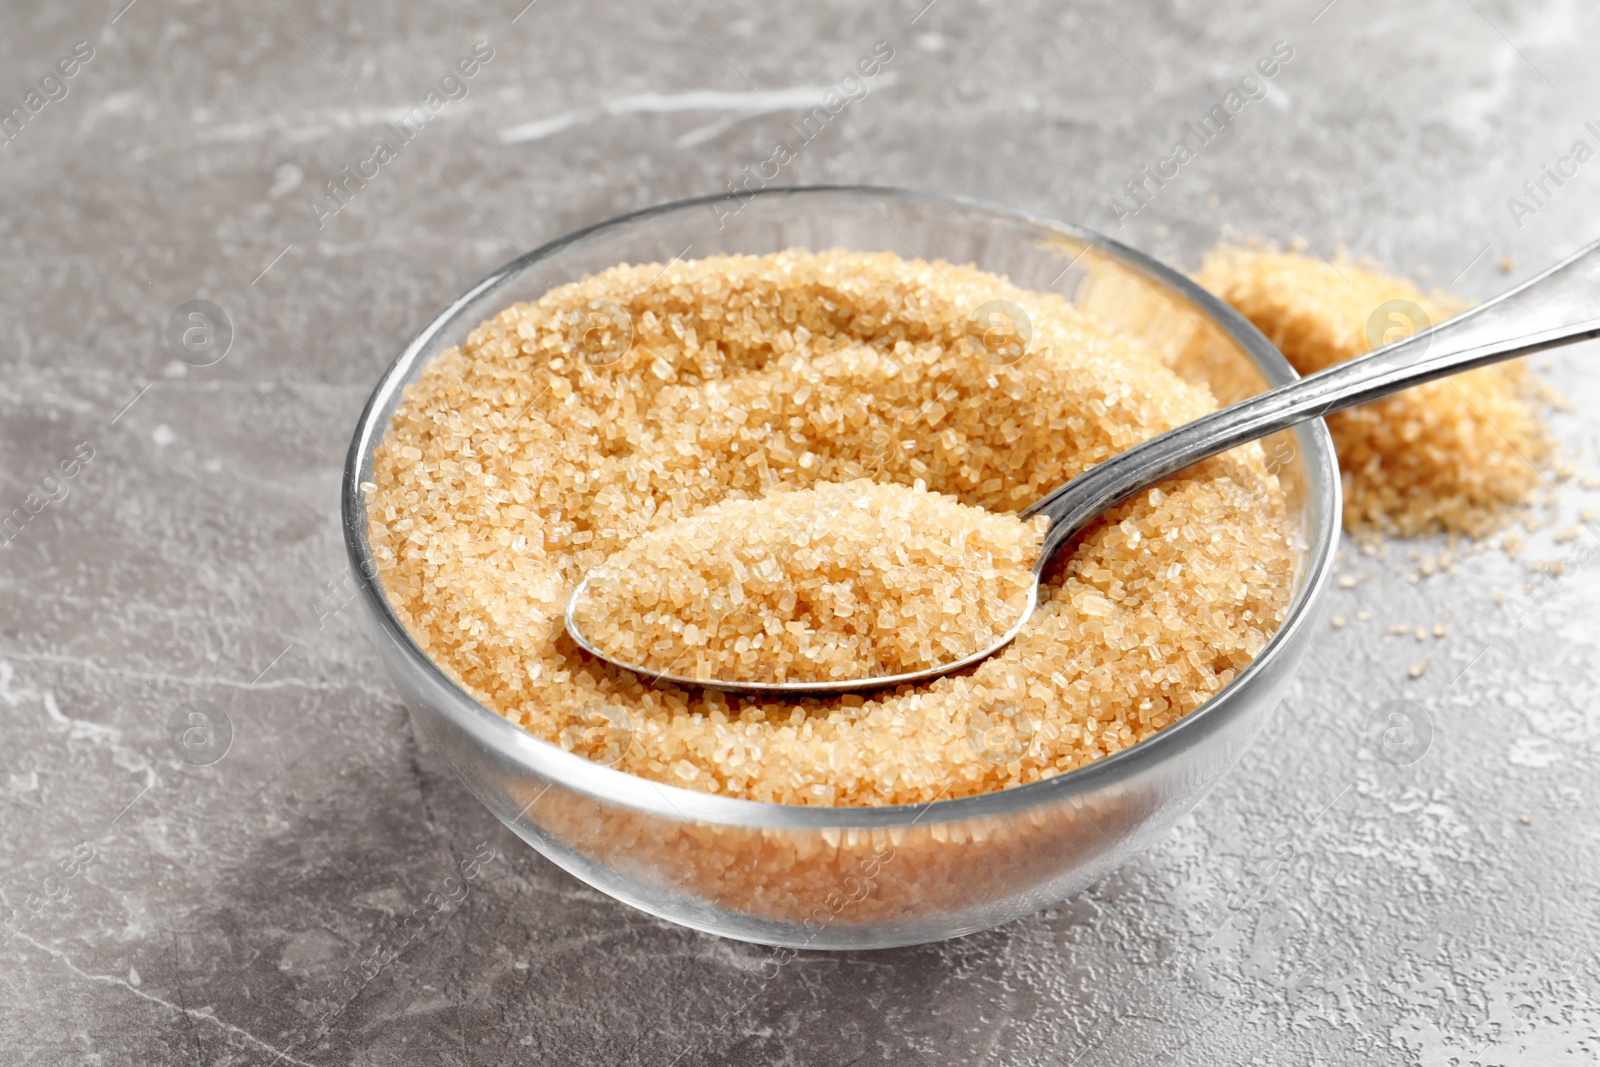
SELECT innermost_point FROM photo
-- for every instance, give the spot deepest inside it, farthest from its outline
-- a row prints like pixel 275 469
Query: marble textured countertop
pixel 165 910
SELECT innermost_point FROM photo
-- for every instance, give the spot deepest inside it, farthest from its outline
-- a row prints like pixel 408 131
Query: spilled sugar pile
pixel 1457 455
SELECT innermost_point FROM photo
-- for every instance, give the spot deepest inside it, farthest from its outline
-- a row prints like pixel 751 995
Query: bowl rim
pixel 510 741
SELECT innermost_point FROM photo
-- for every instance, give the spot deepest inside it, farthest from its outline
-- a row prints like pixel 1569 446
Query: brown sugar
pixel 1460 454
pixel 833 583
pixel 517 463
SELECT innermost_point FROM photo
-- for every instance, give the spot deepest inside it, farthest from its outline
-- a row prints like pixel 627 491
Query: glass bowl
pixel 837 878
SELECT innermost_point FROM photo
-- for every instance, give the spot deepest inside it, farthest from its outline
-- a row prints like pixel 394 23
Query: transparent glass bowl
pixel 811 877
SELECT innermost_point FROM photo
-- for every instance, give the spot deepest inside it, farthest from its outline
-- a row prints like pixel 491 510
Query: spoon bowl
pixel 806 688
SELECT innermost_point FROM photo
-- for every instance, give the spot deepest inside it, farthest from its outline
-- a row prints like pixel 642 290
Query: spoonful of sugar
pixel 813 589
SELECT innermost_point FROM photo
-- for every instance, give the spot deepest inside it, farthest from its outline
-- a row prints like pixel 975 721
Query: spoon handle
pixel 1559 307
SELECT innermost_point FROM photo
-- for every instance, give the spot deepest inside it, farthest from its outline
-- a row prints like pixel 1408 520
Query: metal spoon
pixel 1559 307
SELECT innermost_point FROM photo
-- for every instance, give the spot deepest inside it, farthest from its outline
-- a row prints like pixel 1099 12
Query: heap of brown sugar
pixel 1459 455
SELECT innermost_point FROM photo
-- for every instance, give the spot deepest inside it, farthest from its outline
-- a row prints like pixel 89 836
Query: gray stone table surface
pixel 156 911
